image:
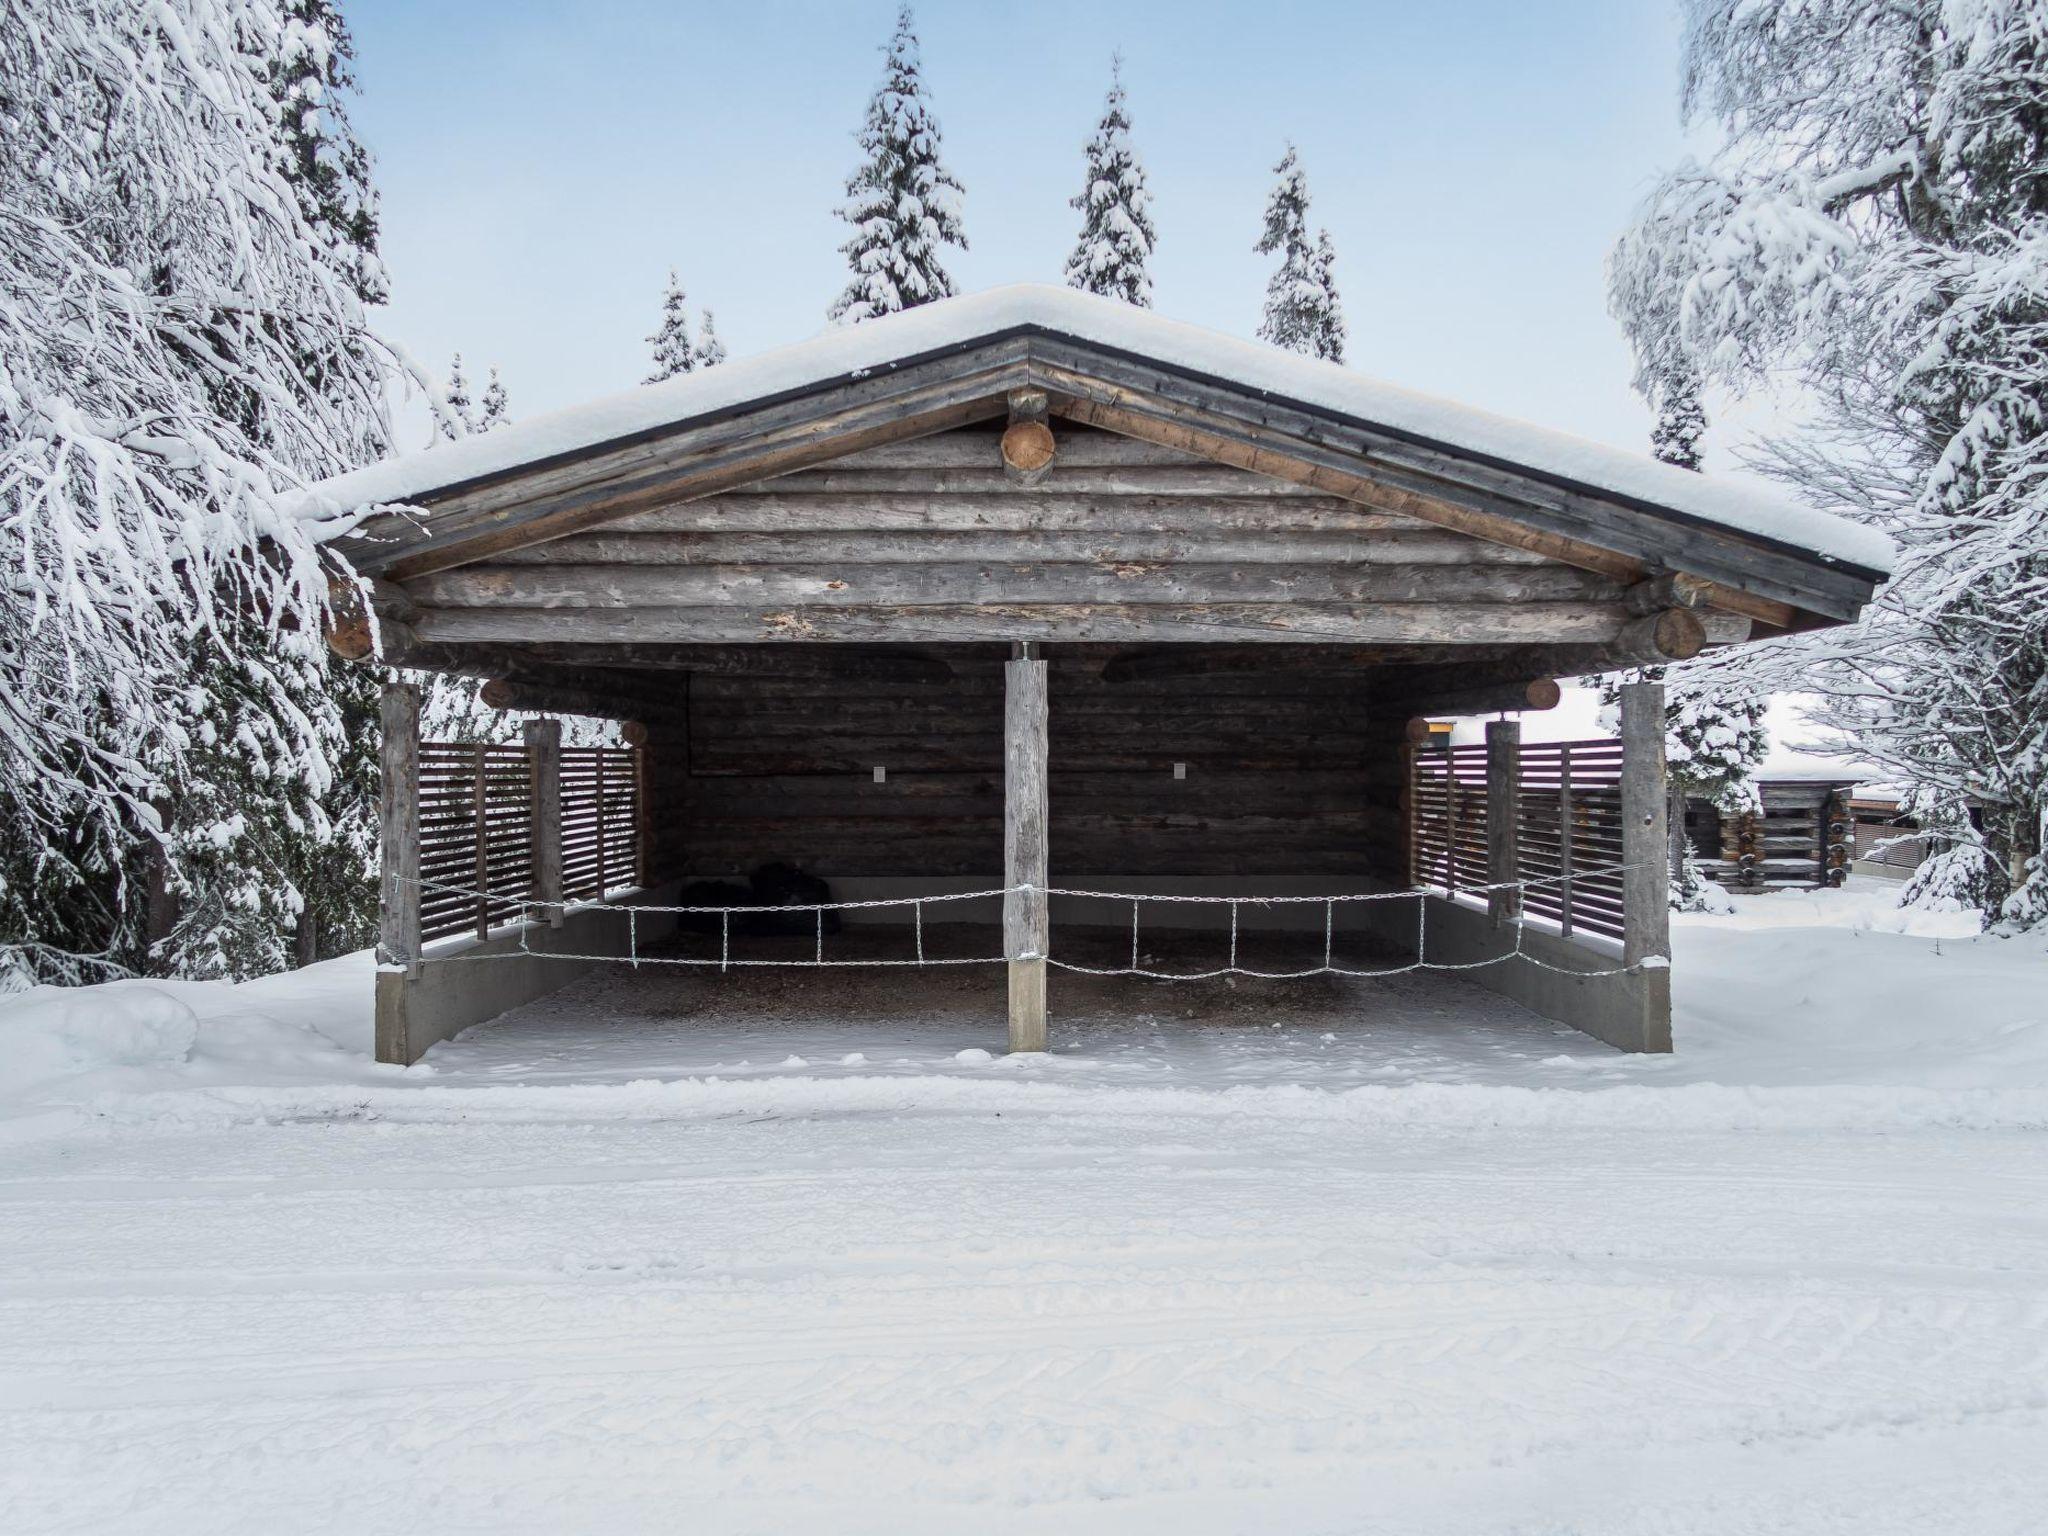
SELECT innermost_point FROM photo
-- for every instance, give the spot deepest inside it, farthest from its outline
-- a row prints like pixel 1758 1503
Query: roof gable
pixel 1109 364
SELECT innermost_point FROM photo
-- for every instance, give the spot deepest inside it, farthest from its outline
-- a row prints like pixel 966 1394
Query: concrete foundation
pixel 467 981
pixel 1631 1013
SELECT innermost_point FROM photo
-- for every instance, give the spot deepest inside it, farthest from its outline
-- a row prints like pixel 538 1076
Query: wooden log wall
pixel 1287 772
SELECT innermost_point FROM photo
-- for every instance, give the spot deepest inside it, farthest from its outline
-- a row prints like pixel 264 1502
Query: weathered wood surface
pixel 398 828
pixel 1646 876
pixel 544 812
pixel 1591 624
pixel 889 586
pixel 1084 545
pixel 1026 908
pixel 1430 481
pixel 1061 507
pixel 1503 818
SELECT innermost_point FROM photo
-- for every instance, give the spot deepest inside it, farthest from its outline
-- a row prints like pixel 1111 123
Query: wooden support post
pixel 1645 839
pixel 1503 843
pixel 398 913
pixel 544 814
pixel 1026 926
pixel 1565 813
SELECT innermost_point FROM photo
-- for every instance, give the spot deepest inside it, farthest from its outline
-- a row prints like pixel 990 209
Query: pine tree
pixel 673 353
pixel 1117 235
pixel 182 338
pixel 902 202
pixel 496 408
pixel 1302 313
pixel 710 350
pixel 327 167
pixel 460 420
pixel 1871 225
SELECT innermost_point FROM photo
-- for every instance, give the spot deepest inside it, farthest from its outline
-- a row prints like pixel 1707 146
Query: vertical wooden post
pixel 479 809
pixel 398 832
pixel 1026 913
pixel 1565 814
pixel 544 814
pixel 1503 818
pixel 1645 839
pixel 603 876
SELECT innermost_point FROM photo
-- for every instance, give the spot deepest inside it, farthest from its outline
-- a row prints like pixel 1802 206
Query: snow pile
pixel 69 1045
pixel 49 1032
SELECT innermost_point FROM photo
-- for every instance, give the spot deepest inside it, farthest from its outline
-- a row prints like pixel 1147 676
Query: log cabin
pixel 1033 591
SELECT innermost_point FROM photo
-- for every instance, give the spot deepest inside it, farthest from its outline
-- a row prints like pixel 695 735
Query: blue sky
pixel 542 166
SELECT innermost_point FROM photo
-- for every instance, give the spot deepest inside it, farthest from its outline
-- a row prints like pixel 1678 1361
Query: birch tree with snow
pixel 1302 312
pixel 1117 235
pixel 181 336
pixel 1875 224
pixel 903 204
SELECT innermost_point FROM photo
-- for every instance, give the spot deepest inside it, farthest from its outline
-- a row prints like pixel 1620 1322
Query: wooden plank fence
pixel 1568 828
pixel 477 830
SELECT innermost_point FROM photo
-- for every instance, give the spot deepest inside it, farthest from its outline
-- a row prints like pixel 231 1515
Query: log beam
pixel 1667 591
pixel 1491 699
pixel 540 699
pixel 1672 634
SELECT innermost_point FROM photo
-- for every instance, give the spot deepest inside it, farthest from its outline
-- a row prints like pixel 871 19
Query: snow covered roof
pixel 850 352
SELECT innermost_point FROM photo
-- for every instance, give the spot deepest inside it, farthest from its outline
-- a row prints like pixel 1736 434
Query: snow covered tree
pixel 1875 224
pixel 327 167
pixel 673 353
pixel 1117 236
pixel 903 204
pixel 496 407
pixel 181 336
pixel 710 350
pixel 461 412
pixel 1681 421
pixel 1302 313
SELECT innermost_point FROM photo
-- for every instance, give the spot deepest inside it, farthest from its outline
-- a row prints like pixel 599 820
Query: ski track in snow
pixel 1521 1285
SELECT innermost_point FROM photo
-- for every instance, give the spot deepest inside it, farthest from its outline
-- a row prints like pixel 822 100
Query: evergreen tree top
pixel 903 204
pixel 322 160
pixel 673 353
pixel 1302 311
pixel 456 397
pixel 1117 235
pixel 710 350
pixel 496 407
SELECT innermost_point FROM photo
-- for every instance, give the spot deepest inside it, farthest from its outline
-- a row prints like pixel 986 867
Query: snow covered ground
pixel 1407 1262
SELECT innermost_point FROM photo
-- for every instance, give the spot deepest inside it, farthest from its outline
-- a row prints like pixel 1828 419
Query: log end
pixel 1028 447
pixel 634 733
pixel 1544 693
pixel 499 693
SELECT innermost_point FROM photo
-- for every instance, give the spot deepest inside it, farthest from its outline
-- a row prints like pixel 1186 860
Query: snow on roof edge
pixel 848 351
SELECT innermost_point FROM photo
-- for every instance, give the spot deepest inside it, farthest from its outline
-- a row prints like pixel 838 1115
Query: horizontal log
pixel 502 693
pixel 850 586
pixel 1182 480
pixel 976 447
pixel 1591 624
pixel 1406 546
pixel 1055 510
pixel 1674 634
pixel 1498 698
pixel 827 670
pixel 1668 591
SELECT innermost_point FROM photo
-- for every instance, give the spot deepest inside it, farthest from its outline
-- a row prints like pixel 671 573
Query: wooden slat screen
pixel 475 835
pixel 1568 814
pixel 600 820
pixel 476 830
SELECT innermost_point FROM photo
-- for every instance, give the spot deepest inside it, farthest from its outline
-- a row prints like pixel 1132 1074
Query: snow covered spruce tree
pixel 459 420
pixel 903 204
pixel 1302 312
pixel 181 335
pixel 673 351
pixel 1117 236
pixel 710 350
pixel 497 406
pixel 1876 224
